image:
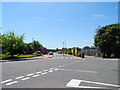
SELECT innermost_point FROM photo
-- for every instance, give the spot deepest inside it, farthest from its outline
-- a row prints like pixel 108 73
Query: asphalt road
pixel 61 72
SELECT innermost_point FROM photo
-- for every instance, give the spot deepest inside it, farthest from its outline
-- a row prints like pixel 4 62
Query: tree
pixel 86 47
pixel 12 43
pixel 107 39
pixel 36 46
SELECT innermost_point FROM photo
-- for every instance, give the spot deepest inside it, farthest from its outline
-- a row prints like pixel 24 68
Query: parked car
pixel 50 53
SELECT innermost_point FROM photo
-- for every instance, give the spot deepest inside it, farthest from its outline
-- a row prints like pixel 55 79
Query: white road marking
pixel 59 66
pixel 39 72
pixel 25 78
pixel 56 69
pixel 44 73
pixel 45 70
pixel 51 68
pixel 12 83
pixel 36 75
pixel 19 77
pixel 50 71
pixel 80 70
pixel 101 83
pixel 30 74
pixel 6 81
pixel 76 83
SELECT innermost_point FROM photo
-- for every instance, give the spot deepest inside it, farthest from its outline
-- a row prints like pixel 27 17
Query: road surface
pixel 61 72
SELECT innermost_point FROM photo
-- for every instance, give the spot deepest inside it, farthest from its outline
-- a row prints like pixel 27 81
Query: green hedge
pixel 70 53
pixel 37 53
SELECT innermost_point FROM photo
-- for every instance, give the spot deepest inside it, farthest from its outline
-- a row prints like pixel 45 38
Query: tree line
pixel 14 44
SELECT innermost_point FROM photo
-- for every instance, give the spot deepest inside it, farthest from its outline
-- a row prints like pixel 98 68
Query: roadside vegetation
pixel 13 46
pixel 107 40
pixel 106 43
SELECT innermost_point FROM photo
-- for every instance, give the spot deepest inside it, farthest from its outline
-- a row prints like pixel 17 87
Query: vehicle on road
pixel 50 53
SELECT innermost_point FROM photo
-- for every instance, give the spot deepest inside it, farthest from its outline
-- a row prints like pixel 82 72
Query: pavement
pixel 61 71
pixel 32 58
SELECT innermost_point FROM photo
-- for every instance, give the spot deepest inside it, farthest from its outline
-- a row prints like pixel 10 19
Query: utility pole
pixel 63 48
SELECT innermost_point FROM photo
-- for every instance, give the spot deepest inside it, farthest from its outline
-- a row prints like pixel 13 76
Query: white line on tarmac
pixel 56 69
pixel 44 73
pixel 45 70
pixel 50 71
pixel 80 70
pixel 74 83
pixel 12 83
pixel 51 68
pixel 25 78
pixel 30 74
pixel 36 75
pixel 19 77
pixel 39 72
pixel 101 83
pixel 6 81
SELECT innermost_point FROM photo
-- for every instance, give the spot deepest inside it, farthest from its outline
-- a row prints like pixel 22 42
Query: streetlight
pixel 63 48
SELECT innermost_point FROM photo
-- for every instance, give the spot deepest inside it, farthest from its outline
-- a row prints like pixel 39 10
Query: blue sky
pixel 53 23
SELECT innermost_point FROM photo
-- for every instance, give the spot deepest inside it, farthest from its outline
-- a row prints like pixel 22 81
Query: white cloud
pixel 98 15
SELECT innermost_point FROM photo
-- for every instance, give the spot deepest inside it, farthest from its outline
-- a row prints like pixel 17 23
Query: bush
pixel 70 53
pixel 79 54
pixel 37 53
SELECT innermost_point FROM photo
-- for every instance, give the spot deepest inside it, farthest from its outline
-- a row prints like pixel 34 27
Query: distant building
pixel 91 52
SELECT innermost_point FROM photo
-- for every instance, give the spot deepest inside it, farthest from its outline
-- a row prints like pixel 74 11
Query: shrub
pixel 7 54
pixel 70 53
pixel 37 53
pixel 79 54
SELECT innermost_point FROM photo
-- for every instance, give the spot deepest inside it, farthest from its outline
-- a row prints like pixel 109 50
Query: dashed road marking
pixel 45 70
pixel 19 77
pixel 6 81
pixel 50 71
pixel 36 75
pixel 25 78
pixel 51 68
pixel 44 73
pixel 39 72
pixel 12 83
pixel 56 69
pixel 30 74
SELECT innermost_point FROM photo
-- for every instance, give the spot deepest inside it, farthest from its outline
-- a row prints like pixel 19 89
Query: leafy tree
pixel 12 43
pixel 28 48
pixel 86 47
pixel 36 46
pixel 107 39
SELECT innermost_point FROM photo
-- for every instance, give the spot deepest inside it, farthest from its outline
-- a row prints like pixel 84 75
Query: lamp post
pixel 63 48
